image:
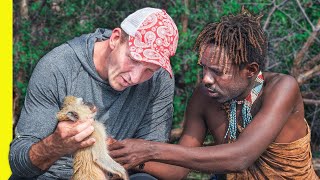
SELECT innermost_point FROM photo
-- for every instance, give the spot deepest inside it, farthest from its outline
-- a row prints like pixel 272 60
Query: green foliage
pixel 194 175
pixel 53 22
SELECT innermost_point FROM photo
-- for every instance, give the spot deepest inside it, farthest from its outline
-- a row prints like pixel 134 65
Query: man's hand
pixel 131 152
pixel 66 139
pixel 70 136
pixel 110 141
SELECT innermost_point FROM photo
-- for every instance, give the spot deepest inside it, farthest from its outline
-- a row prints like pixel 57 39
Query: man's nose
pixel 208 79
pixel 136 74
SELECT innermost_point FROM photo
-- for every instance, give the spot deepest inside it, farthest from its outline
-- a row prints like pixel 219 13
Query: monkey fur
pixel 94 162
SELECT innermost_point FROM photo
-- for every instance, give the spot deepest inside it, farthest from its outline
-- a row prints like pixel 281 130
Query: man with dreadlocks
pixel 256 118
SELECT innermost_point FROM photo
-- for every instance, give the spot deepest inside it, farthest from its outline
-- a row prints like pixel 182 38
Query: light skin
pixel 118 67
pixel 278 116
pixel 115 65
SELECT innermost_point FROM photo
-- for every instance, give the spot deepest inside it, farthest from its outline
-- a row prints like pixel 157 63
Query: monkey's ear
pixel 72 115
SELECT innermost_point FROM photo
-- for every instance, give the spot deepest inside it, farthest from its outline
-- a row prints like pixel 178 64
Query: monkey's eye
pixel 73 116
pixel 88 104
pixel 92 107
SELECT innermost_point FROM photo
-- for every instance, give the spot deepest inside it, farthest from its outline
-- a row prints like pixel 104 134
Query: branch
pixel 269 16
pixel 295 22
pixel 307 44
pixel 315 60
pixel 308 74
pixel 272 66
pixel 304 49
pixel 280 39
pixel 24 11
pixel 36 16
pixel 311 101
pixel 185 16
pixel 305 15
pixel 271 12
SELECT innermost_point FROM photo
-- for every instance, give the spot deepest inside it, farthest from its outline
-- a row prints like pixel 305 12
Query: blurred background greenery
pixel 292 27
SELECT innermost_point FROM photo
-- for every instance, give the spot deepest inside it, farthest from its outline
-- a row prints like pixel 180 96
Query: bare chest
pixel 216 119
pixel 217 123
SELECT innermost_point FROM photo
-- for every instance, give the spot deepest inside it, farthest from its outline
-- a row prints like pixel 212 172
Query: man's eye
pixel 133 60
pixel 201 65
pixel 215 71
pixel 218 73
pixel 151 70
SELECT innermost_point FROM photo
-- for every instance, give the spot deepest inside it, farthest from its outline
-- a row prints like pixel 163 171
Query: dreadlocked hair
pixel 241 37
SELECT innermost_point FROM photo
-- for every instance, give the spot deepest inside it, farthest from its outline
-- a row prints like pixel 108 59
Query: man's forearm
pixel 165 171
pixel 43 154
pixel 221 159
pixel 158 169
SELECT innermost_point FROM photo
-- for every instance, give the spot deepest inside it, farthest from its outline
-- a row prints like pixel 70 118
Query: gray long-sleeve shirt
pixel 141 111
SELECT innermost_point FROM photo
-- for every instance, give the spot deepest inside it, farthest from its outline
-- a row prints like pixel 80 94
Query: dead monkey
pixel 92 162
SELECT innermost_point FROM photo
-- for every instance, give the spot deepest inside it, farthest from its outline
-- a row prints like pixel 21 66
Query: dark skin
pixel 278 116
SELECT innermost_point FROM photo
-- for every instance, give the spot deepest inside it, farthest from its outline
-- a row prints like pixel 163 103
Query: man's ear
pixel 252 69
pixel 115 38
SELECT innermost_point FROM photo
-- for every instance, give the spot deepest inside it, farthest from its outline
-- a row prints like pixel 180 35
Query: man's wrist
pixel 51 146
pixel 43 154
pixel 154 151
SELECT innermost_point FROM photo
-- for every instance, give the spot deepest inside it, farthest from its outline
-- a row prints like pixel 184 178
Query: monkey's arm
pixel 100 153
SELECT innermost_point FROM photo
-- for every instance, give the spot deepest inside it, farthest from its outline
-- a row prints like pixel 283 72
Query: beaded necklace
pixel 231 108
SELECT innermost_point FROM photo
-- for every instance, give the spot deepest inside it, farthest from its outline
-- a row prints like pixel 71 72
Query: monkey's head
pixel 74 108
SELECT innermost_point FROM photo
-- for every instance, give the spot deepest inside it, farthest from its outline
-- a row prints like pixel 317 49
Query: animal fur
pixel 91 163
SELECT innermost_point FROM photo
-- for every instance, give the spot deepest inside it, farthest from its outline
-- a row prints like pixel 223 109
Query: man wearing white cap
pixel 125 72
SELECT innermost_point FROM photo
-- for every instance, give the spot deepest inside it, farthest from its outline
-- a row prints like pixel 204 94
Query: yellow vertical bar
pixel 6 36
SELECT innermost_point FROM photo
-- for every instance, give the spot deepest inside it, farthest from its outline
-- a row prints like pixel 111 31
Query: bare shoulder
pixel 281 84
pixel 272 79
pixel 282 97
